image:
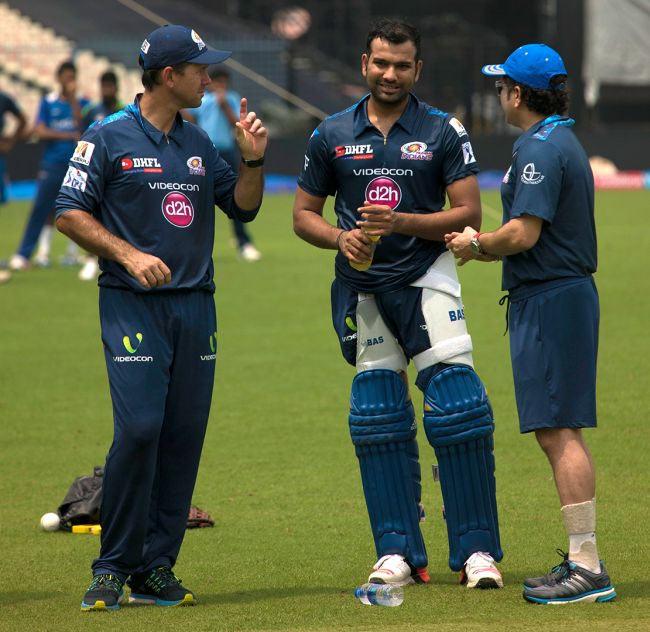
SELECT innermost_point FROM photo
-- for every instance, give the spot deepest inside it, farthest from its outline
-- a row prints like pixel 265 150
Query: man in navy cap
pixel 140 192
pixel 548 246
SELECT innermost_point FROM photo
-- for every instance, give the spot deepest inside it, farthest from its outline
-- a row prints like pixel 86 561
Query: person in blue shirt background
pixel 217 115
pixel 140 192
pixel 92 113
pixel 548 245
pixel 59 123
pixel 8 106
pixel 391 160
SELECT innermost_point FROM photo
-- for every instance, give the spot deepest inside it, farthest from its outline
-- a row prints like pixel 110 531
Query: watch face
pixel 476 246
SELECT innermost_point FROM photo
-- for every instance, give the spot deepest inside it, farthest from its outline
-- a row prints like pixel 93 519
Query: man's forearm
pixel 435 226
pixel 249 187
pixel 85 230
pixel 316 230
pixel 507 240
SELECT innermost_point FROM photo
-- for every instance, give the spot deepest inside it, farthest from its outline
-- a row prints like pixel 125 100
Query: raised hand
pixel 252 137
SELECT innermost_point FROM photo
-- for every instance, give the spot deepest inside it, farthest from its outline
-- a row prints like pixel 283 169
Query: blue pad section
pixel 382 426
pixel 459 425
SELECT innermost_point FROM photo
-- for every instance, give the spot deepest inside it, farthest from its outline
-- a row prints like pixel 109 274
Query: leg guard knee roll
pixel 382 427
pixel 459 425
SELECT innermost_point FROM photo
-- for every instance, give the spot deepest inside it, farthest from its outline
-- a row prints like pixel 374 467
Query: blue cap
pixel 533 65
pixel 174 44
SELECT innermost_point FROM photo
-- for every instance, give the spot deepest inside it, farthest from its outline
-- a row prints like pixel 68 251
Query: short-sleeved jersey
pixel 7 104
pixel 409 170
pixel 211 118
pixel 550 177
pixel 95 112
pixel 55 112
pixel 155 191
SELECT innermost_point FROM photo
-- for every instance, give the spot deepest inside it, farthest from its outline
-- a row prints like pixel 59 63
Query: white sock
pixel 44 243
pixel 580 523
pixel 73 249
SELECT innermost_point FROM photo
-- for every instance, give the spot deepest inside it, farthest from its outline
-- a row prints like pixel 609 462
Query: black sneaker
pixel 576 584
pixel 160 587
pixel 557 572
pixel 104 593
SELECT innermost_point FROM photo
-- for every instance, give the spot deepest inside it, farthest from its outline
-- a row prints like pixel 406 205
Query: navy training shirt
pixel 409 170
pixel 55 112
pixel 154 191
pixel 550 177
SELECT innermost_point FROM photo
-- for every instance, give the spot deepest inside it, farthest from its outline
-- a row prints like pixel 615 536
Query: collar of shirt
pixel 550 123
pixel 406 121
pixel 176 132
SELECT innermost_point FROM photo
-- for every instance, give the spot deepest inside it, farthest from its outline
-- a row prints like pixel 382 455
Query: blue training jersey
pixel 55 112
pixel 425 151
pixel 211 118
pixel 156 192
pixel 550 177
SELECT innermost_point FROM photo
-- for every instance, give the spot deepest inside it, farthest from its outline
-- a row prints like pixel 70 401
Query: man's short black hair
pixel 108 77
pixel 151 78
pixel 218 72
pixel 395 32
pixel 66 65
pixel 546 102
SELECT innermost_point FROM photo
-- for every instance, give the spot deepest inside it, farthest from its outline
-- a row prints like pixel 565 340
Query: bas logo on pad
pixel 177 209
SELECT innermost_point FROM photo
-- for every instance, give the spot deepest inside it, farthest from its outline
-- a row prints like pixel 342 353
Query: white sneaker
pixel 90 269
pixel 42 262
pixel 391 569
pixel 248 252
pixel 481 572
pixel 5 276
pixel 18 262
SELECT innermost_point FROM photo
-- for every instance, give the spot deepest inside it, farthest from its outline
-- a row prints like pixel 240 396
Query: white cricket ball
pixel 50 521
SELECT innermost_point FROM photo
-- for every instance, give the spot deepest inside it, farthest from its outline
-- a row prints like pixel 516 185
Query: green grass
pixel 278 471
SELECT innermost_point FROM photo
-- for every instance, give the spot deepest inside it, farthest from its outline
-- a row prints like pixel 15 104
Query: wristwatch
pixel 258 162
pixel 475 244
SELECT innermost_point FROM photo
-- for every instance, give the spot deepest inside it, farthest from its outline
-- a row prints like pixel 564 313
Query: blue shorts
pixel 554 345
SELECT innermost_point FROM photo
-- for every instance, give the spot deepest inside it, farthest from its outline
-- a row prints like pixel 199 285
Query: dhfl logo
pixel 145 165
pixel 177 209
pixel 355 152
pixel 384 191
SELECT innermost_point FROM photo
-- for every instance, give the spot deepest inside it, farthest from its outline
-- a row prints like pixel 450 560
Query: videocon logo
pixel 126 341
pixel 213 348
pixel 132 357
pixel 350 323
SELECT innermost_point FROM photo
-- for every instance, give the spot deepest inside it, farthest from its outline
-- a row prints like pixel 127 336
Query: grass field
pixel 278 471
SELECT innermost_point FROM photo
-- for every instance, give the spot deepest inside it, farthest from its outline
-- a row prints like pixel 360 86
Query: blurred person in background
pixel 8 106
pixel 217 115
pixel 59 123
pixel 548 246
pixel 92 113
pixel 390 160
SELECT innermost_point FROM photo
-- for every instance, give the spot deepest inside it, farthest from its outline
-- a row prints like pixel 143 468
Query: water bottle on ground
pixel 380 595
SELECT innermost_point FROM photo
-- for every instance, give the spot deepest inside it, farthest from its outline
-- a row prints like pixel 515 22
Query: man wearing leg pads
pixel 391 161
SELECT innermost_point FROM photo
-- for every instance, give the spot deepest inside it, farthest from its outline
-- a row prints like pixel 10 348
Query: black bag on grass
pixel 83 500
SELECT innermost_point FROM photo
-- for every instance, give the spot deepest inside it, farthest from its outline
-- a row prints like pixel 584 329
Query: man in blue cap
pixel 140 192
pixel 548 247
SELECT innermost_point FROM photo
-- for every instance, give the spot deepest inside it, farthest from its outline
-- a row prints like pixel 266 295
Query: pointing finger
pixel 243 109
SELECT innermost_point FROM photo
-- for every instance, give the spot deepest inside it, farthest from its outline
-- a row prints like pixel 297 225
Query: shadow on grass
pixel 639 588
pixel 9 597
pixel 269 594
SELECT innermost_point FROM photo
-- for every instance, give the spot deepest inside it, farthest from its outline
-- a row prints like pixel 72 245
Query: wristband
pixel 258 162
pixel 338 239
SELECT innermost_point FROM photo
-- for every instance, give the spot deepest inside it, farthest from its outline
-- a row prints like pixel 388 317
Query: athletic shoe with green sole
pixel 576 584
pixel 159 587
pixel 105 592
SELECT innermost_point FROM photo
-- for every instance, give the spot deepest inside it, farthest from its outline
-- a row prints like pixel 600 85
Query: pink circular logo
pixel 177 209
pixel 384 191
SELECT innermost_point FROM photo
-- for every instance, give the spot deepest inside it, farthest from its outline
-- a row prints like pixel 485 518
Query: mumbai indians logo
pixel 213 348
pixel 415 150
pixel 126 341
pixel 195 165
pixel 197 39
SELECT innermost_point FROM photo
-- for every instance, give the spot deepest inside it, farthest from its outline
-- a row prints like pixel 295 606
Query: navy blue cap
pixel 174 44
pixel 533 65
